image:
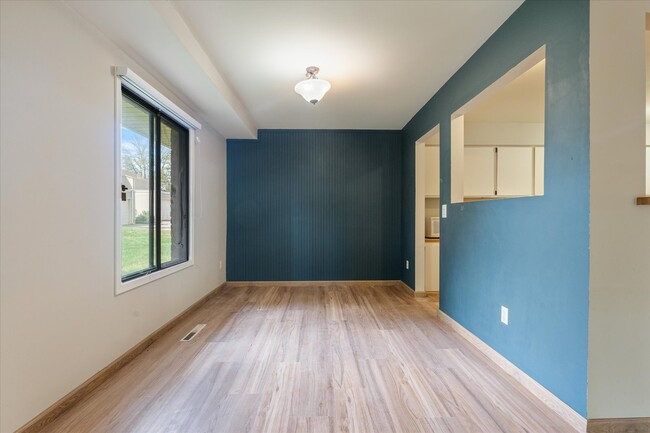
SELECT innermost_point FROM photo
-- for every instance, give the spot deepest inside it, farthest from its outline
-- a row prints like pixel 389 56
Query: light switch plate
pixel 504 315
pixel 444 211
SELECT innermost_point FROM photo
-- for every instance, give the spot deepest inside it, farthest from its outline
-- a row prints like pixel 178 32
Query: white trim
pixel 117 170
pixel 317 283
pixel 133 81
pixel 573 418
pixel 165 105
pixel 123 287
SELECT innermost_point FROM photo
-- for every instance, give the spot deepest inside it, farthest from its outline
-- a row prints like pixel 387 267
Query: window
pixel 154 190
pixel 498 137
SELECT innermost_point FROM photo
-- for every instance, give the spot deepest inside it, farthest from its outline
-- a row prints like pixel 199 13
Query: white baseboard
pixel 577 421
pixel 313 283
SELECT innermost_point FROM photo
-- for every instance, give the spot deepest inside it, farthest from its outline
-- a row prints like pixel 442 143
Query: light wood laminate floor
pixel 331 358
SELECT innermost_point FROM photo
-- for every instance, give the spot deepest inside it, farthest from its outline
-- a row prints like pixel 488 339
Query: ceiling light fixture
pixel 312 89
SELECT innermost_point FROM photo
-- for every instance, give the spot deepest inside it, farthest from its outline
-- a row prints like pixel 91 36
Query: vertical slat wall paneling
pixel 307 205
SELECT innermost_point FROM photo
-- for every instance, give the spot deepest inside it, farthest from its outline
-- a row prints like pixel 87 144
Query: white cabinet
pixel 432 171
pixel 479 172
pixel 432 266
pixel 511 171
pixel 515 171
pixel 539 171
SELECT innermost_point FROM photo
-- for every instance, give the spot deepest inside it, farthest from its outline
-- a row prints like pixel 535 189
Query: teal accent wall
pixel 529 254
pixel 309 205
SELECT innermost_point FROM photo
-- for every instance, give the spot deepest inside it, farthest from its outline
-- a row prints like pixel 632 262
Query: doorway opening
pixel 427 209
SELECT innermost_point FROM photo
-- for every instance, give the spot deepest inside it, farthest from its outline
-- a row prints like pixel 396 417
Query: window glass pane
pixel 137 229
pixel 173 193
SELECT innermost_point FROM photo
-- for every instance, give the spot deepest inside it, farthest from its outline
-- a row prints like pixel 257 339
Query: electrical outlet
pixel 504 315
pixel 407 264
pixel 444 211
pixel 220 264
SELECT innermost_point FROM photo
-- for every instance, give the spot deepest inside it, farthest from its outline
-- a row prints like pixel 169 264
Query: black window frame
pixel 155 145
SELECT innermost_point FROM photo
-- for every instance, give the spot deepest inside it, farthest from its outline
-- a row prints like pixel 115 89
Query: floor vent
pixel 193 332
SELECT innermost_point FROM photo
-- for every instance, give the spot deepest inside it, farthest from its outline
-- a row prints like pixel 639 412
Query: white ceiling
pixel 520 101
pixel 236 62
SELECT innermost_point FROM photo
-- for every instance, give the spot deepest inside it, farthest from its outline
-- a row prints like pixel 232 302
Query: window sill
pixel 643 200
pixel 123 287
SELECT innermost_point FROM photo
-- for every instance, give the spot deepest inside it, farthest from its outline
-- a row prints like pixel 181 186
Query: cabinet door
pixel 539 171
pixel 432 270
pixel 479 172
pixel 515 171
pixel 432 171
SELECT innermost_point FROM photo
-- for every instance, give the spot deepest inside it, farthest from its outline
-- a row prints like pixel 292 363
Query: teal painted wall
pixel 529 254
pixel 314 205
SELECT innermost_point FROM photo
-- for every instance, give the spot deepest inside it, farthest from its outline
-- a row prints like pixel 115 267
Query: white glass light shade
pixel 312 89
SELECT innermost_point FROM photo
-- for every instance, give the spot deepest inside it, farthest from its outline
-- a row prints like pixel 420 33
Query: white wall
pixel 504 134
pixel 60 321
pixel 431 207
pixel 619 298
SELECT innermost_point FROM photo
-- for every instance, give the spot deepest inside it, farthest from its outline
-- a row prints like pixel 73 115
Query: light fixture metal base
pixel 312 71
